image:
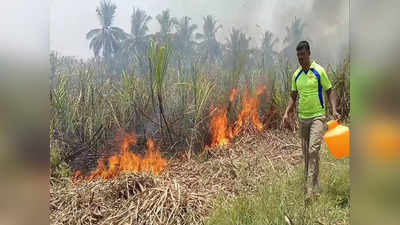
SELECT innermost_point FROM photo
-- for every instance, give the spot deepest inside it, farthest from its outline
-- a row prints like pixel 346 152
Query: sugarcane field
pixel 200 113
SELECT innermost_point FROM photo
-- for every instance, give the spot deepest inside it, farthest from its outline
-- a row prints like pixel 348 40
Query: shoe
pixel 316 193
pixel 308 200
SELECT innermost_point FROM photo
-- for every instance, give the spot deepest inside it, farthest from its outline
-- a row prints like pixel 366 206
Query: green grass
pixel 282 195
pixel 58 168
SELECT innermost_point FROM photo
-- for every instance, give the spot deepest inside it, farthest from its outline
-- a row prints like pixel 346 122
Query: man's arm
pixel 292 101
pixel 333 101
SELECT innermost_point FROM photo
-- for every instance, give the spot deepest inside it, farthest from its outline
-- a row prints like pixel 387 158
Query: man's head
pixel 303 53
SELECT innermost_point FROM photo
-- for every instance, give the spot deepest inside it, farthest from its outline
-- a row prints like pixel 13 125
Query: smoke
pixel 327 21
pixel 326 26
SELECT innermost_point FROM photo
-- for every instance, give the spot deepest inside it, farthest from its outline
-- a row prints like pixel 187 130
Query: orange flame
pixel 260 90
pixel 221 132
pixel 249 111
pixel 233 94
pixel 77 176
pixel 153 162
pixel 127 161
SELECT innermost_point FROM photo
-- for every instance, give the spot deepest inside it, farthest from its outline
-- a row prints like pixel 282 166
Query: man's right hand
pixel 284 119
pixel 292 100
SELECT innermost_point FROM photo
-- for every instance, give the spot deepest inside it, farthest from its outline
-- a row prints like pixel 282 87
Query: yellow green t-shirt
pixel 310 85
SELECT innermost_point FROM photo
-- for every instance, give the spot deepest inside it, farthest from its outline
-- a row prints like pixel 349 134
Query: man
pixel 309 82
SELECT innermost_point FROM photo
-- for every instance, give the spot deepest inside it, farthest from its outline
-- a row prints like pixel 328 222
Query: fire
pixel 153 162
pixel 232 95
pixel 77 176
pixel 127 161
pixel 222 132
pixel 249 111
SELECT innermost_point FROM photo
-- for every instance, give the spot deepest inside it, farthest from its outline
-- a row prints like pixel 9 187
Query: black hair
pixel 303 45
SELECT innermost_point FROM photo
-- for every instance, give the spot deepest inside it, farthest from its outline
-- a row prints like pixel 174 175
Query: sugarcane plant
pixel 158 63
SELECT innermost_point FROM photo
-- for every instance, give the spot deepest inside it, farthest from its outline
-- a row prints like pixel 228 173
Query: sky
pixel 327 21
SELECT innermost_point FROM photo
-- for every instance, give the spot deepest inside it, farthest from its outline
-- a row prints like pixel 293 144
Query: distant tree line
pixel 123 51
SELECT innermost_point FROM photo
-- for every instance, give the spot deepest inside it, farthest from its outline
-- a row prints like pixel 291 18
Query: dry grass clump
pixel 183 194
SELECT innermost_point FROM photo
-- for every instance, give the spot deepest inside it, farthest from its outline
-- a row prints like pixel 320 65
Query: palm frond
pixel 93 33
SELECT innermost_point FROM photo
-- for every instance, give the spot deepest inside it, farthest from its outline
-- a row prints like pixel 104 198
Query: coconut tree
pixel 294 34
pixel 267 46
pixel 135 46
pixel 237 50
pixel 209 46
pixel 106 40
pixel 184 43
pixel 166 25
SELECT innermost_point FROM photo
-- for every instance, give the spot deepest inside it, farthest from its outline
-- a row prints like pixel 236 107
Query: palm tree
pixel 210 47
pixel 184 43
pixel 294 34
pixel 136 44
pixel 139 22
pixel 267 51
pixel 166 24
pixel 237 48
pixel 106 39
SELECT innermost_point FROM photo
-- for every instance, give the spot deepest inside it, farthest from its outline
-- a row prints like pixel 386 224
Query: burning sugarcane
pixel 221 131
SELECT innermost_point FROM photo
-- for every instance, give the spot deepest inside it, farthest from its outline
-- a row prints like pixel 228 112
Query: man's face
pixel 304 57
